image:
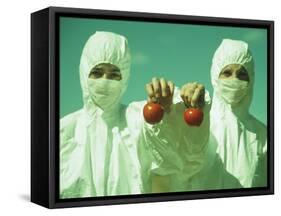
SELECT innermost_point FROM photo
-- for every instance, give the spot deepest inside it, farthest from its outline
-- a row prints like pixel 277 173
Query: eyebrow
pixel 101 68
pixel 115 71
pixel 226 70
pixel 98 68
pixel 243 71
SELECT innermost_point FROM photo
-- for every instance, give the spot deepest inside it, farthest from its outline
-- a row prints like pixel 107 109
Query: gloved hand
pixel 161 91
pixel 193 94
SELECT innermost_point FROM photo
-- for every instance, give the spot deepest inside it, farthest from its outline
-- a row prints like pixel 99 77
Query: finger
pixel 202 88
pixel 202 96
pixel 150 100
pixel 164 87
pixel 182 90
pixel 184 94
pixel 189 90
pixel 195 84
pixel 196 99
pixel 156 87
pixel 187 95
pixel 171 87
pixel 149 90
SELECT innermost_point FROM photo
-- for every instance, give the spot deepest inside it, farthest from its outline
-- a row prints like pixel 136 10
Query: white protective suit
pixel 239 138
pixel 112 151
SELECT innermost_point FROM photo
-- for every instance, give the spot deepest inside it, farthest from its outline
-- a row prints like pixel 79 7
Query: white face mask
pixel 233 90
pixel 105 93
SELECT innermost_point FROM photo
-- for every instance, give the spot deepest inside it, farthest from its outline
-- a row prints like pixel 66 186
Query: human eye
pixel 115 76
pixel 226 73
pixel 96 73
pixel 243 75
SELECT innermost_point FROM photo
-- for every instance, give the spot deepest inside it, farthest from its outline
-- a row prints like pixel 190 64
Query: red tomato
pixel 153 113
pixel 193 116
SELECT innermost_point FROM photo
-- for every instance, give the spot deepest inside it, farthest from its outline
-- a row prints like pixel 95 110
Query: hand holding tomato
pixel 193 95
pixel 160 91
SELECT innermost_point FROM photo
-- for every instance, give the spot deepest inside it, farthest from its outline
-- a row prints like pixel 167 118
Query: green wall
pixel 181 53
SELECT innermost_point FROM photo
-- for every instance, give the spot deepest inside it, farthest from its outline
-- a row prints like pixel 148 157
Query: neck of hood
pixel 110 114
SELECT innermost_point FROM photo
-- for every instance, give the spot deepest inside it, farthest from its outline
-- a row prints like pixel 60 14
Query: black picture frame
pixel 45 106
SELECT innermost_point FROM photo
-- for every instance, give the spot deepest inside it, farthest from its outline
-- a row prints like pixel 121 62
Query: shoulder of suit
pixel 70 119
pixel 134 113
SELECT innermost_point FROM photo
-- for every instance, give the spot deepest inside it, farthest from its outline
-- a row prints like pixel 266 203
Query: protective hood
pixel 104 47
pixel 232 52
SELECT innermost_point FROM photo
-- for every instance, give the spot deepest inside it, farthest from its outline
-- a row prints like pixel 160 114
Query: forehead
pixel 106 66
pixel 234 68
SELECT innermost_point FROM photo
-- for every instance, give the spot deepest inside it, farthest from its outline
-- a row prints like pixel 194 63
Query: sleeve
pixel 175 146
pixel 162 142
pixel 194 141
pixel 67 146
pixel 260 177
pixel 67 128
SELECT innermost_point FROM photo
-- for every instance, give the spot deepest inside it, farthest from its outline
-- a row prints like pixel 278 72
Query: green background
pixel 177 52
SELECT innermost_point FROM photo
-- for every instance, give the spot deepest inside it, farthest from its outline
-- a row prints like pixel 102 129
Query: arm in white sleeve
pixel 194 140
pixel 161 139
pixel 68 161
pixel 176 146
